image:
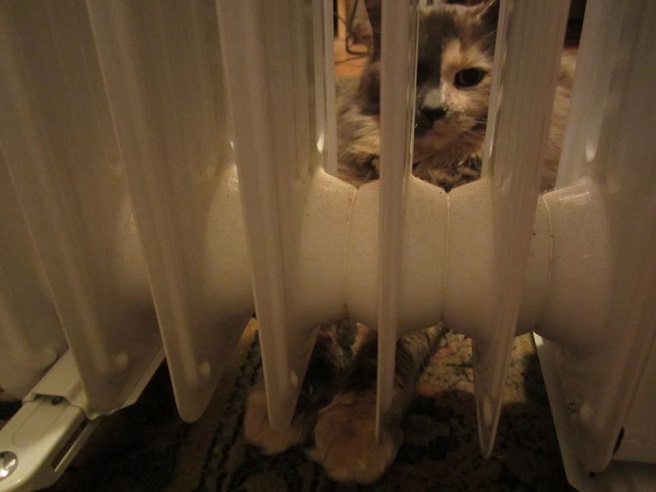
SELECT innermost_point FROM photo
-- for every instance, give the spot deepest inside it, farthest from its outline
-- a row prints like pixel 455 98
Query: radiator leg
pixel 39 443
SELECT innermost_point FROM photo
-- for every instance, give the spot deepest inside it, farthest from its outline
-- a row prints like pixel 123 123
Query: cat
pixel 327 372
pixel 345 432
pixel 451 103
pixel 336 410
pixel 455 57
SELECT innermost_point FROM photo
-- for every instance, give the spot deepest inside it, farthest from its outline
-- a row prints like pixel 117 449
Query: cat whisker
pixel 473 134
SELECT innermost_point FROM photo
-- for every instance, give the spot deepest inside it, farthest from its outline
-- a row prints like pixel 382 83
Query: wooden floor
pixel 346 64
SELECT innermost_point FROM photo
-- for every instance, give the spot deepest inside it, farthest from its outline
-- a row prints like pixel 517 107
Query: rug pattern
pixel 440 449
pixel 147 447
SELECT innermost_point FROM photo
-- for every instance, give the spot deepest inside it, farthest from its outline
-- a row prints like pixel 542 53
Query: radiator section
pixel 600 308
pixel 496 215
pixel 296 215
pixel 31 338
pixel 162 70
pixel 397 94
pixel 64 164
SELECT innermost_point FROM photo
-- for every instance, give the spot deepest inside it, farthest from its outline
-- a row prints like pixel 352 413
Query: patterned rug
pixel 148 448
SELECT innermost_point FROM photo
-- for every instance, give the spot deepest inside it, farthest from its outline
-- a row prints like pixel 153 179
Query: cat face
pixel 454 75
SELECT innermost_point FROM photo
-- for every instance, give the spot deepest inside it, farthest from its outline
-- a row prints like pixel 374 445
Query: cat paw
pixel 345 440
pixel 258 431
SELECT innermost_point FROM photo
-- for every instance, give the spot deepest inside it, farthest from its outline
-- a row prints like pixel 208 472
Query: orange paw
pixel 345 440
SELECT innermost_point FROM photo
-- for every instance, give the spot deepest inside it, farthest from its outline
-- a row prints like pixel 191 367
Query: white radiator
pixel 126 235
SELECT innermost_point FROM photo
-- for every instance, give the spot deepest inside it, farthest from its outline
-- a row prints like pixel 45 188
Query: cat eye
pixel 469 77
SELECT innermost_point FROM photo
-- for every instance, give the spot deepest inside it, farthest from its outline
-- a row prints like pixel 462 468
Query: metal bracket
pixel 39 442
pixel 43 437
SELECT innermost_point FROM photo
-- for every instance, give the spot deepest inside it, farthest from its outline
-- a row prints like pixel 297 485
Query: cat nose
pixel 433 113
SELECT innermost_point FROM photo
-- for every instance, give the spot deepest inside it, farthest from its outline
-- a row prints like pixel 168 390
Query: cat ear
pixel 374 13
pixel 488 12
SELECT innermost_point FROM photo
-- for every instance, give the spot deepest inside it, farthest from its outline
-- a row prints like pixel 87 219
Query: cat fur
pixel 448 154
